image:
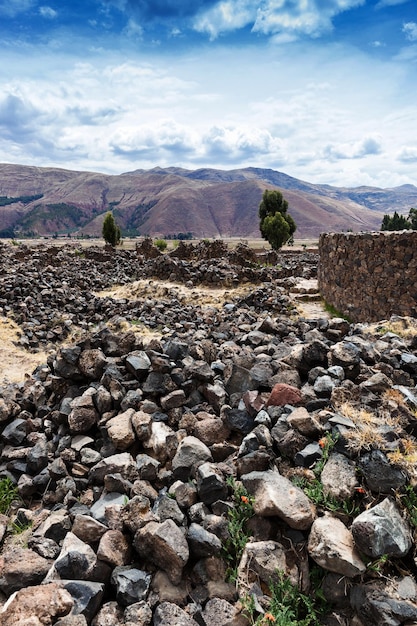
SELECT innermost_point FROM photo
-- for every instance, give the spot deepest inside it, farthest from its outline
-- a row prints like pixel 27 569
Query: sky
pixel 322 90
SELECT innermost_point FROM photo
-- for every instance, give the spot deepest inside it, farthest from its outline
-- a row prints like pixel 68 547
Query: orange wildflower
pixel 269 617
pixel 360 490
pixel 323 442
pixel 245 499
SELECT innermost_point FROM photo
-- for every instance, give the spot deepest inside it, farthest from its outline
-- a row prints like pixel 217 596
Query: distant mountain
pixel 168 201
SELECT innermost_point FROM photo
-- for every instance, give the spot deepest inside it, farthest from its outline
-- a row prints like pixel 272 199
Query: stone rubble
pixel 126 450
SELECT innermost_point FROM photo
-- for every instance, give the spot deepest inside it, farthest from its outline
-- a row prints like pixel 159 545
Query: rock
pixel 167 614
pixel 87 596
pixel 120 430
pixel 138 363
pixel 88 529
pixel 202 543
pixel 338 477
pixel 264 560
pixel 138 614
pixel 77 560
pixel 304 422
pixel 43 603
pixel 331 546
pixel 382 530
pixel 218 612
pixel 114 548
pixel 380 475
pixel 191 453
pixel 164 544
pixel 275 495
pixel 211 485
pixel 132 584
pixel 380 603
pixel 122 463
pixel 347 355
pixel 21 568
pixel 84 414
pixel 283 394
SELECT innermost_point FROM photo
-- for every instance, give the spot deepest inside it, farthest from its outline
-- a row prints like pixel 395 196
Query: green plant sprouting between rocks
pixel 314 488
pixel 237 519
pixel 8 493
pixel 409 501
pixel 288 606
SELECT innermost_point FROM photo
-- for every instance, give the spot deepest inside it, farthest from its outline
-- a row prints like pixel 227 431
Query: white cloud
pixel 410 30
pixel 408 154
pixel 357 150
pixel 329 115
pixel 48 12
pixel 286 19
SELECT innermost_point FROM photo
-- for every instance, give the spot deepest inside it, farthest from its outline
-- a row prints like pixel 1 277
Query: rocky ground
pixel 192 450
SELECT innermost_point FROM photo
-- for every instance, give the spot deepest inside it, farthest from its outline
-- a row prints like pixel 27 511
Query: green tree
pixel 275 224
pixel 412 218
pixel 396 222
pixel 111 231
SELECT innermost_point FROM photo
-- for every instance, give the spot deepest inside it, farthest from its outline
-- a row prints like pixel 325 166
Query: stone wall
pixel 369 276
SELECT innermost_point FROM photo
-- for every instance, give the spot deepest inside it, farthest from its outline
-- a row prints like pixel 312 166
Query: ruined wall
pixel 369 276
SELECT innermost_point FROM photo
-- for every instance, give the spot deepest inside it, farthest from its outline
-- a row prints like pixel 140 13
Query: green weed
pixel 409 502
pixel 8 493
pixel 289 606
pixel 237 519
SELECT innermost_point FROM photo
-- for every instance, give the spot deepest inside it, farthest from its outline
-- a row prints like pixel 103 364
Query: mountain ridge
pixel 205 202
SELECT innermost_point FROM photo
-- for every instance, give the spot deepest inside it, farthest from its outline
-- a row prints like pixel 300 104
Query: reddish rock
pixel 282 394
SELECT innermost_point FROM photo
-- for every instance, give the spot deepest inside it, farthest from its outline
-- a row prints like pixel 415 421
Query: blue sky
pixel 323 90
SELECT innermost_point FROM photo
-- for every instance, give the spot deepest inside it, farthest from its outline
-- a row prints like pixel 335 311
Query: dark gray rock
pixel 132 584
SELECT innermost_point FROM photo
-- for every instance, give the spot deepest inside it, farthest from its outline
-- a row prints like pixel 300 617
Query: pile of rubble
pixel 176 481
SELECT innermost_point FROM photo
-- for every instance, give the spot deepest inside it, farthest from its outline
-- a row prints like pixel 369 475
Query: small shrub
pixel 161 244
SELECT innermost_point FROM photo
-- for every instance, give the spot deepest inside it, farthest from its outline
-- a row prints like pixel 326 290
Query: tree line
pixel 400 222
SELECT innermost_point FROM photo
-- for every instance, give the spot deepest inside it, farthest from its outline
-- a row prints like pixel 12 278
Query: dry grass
pixel 156 289
pixel 404 327
pixel 15 362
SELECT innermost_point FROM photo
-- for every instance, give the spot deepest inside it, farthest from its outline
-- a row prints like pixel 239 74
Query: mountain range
pixel 172 201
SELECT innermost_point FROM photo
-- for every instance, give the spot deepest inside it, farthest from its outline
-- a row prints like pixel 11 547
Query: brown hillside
pixel 205 202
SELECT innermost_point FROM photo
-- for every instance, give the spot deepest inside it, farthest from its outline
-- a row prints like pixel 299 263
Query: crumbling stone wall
pixel 369 276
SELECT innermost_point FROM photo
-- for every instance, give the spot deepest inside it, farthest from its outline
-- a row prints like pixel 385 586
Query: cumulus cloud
pixel 17 117
pixel 410 31
pixel 144 141
pixel 273 17
pixel 408 155
pixel 284 20
pixel 366 147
